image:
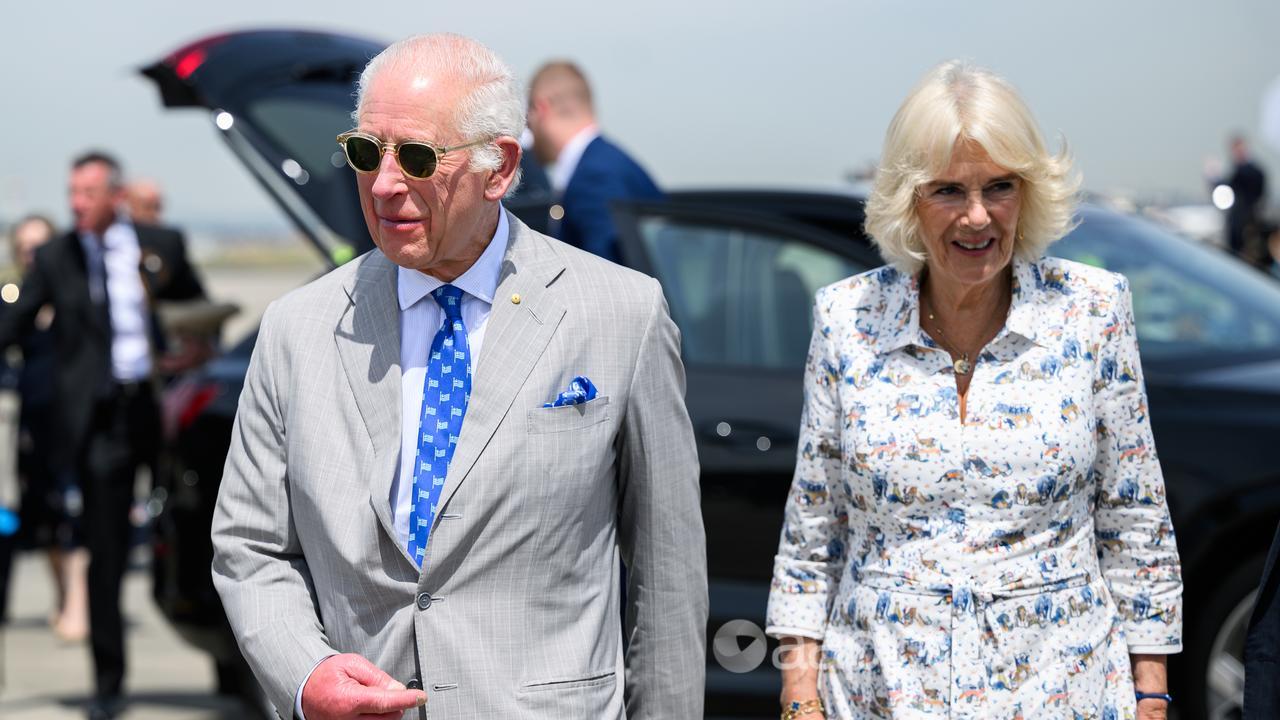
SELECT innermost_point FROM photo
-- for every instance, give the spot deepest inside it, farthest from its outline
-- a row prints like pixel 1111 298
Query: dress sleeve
pixel 811 551
pixel 1137 551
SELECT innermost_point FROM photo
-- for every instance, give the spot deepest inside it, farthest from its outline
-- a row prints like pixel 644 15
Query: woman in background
pixel 51 501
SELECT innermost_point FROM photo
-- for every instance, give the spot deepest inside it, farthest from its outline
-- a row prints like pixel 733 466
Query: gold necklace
pixel 961 365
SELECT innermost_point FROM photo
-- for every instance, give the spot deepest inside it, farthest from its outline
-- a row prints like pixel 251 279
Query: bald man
pixel 145 202
pixel 587 172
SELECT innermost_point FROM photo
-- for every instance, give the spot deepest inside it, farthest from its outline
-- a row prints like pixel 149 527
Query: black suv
pixel 740 269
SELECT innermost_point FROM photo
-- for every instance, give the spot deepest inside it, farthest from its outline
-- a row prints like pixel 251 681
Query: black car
pixel 740 269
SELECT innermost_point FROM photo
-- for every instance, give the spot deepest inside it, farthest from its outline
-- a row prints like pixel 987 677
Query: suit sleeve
pixel 16 319
pixel 1137 551
pixel 258 565
pixel 661 534
pixel 588 218
pixel 185 283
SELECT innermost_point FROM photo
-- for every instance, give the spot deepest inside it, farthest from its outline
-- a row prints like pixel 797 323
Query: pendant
pixel 962 366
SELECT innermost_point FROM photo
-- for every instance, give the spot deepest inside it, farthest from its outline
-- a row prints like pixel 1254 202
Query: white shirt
pixel 561 171
pixel 420 320
pixel 130 319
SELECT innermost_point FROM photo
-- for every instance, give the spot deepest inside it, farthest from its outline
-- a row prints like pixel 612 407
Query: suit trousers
pixel 123 434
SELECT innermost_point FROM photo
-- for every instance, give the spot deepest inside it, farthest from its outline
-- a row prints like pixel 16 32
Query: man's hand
pixel 349 687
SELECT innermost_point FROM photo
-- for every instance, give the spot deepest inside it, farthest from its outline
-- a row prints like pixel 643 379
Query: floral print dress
pixel 1000 567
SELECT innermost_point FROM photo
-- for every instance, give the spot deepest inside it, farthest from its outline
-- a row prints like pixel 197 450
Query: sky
pixel 704 92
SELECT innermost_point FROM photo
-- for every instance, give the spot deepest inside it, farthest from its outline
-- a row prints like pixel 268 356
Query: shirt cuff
pixel 1155 649
pixel 297 703
pixel 779 631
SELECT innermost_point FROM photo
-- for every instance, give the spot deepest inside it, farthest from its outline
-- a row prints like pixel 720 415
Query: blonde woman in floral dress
pixel 977 527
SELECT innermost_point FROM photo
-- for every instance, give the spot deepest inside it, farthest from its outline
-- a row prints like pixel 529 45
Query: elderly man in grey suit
pixel 448 450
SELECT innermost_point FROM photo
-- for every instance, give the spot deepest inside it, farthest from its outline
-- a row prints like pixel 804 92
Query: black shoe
pixel 105 708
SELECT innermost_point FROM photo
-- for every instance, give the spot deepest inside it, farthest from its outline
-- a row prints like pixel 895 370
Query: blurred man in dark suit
pixel 102 280
pixel 1249 184
pixel 587 172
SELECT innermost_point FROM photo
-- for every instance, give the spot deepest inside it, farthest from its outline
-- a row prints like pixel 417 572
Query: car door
pixel 740 287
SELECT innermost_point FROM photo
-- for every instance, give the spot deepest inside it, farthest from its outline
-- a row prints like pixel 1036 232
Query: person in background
pixel 1248 182
pixel 587 171
pixel 52 502
pixel 145 203
pixel 102 281
pixel 1272 233
pixel 977 526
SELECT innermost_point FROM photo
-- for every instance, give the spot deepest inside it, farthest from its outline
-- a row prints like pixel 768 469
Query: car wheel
pixel 1216 653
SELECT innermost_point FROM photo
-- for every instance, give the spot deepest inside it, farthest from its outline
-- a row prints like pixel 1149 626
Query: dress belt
pixel 964 598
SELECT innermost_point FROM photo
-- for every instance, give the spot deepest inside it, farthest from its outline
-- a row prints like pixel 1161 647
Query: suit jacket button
pixel 414 684
pixel 424 601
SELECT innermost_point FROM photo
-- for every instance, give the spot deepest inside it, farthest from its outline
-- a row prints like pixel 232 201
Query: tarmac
pixel 42 678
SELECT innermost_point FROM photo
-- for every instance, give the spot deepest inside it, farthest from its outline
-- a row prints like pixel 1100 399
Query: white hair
pixel 494 106
pixel 954 103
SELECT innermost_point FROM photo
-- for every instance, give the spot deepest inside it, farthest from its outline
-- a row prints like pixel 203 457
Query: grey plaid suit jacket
pixel 518 612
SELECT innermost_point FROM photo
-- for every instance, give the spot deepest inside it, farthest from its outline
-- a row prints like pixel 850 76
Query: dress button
pixel 414 684
pixel 424 601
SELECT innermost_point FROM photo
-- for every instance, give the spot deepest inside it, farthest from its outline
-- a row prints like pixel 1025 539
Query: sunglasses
pixel 417 158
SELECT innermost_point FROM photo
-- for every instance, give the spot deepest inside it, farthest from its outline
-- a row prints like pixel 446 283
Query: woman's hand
pixel 1150 675
pixel 800 658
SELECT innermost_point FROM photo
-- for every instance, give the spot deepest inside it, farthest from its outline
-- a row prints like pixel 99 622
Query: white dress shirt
pixel 561 171
pixel 130 320
pixel 420 320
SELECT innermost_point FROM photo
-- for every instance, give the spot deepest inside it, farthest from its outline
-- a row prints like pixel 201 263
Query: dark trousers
pixel 123 434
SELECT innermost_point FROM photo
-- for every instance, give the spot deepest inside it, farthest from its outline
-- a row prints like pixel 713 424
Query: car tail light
pixel 189 63
pixel 186 60
pixel 199 400
pixel 183 402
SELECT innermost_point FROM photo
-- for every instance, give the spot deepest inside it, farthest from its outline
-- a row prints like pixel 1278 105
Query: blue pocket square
pixel 580 390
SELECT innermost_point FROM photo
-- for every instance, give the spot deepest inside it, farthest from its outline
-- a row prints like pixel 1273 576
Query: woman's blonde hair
pixel 956 102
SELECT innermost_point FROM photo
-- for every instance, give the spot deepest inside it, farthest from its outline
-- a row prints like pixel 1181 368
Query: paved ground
pixel 44 679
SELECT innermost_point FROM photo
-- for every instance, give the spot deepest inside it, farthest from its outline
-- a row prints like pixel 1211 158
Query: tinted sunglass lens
pixel 417 159
pixel 363 153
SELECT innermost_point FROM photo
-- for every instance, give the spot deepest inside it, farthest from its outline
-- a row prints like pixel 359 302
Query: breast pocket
pixel 568 417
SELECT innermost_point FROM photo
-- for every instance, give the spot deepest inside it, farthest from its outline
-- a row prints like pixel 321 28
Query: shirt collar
pixel 900 317
pixel 479 281
pixel 567 162
pixel 118 232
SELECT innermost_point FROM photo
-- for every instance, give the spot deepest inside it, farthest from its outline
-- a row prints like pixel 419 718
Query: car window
pixel 295 130
pixel 741 297
pixel 305 129
pixel 1189 300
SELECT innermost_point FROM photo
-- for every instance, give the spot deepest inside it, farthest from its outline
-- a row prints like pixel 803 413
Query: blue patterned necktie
pixel 445 393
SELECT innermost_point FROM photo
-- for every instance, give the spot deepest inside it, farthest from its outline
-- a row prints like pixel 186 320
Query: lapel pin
pixel 515 299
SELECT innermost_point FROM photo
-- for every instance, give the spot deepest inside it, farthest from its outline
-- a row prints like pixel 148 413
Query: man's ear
pixel 501 179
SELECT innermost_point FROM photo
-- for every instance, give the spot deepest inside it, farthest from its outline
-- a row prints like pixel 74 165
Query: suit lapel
pixel 516 336
pixel 368 339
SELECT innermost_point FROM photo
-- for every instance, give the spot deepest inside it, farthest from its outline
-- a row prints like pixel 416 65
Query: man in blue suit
pixel 587 172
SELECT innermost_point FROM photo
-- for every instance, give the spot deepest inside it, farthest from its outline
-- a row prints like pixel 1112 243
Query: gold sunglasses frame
pixel 385 147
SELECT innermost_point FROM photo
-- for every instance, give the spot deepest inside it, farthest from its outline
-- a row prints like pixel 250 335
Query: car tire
pixel 1214 659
